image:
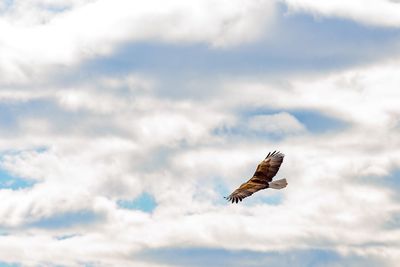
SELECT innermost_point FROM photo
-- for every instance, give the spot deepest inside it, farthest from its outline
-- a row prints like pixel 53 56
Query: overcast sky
pixel 124 123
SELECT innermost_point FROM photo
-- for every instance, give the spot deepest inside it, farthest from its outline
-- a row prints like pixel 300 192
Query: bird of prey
pixel 262 178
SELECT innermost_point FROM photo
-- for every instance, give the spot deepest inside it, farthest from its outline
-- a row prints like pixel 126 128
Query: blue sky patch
pixel 5 264
pixel 9 181
pixel 8 119
pixel 145 202
pixel 199 257
pixel 317 122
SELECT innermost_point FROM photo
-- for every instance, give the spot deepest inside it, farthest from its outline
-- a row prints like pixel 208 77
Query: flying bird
pixel 262 178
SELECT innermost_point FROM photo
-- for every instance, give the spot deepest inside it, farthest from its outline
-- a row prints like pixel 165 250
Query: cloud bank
pixel 89 147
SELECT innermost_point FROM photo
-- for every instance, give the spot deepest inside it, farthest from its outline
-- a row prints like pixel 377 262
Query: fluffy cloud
pixel 80 31
pixel 281 123
pixel 172 152
pixel 88 144
pixel 363 96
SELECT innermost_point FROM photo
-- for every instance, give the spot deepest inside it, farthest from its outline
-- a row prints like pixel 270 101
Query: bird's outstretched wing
pixel 265 171
pixel 268 168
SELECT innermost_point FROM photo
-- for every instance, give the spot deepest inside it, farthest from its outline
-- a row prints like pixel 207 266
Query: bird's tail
pixel 278 184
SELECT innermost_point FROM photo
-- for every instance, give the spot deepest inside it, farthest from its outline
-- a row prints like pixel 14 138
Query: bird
pixel 262 178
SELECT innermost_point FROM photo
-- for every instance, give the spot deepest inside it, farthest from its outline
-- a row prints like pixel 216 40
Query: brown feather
pixel 264 173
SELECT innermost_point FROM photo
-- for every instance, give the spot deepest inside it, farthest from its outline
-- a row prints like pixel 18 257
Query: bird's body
pixel 262 178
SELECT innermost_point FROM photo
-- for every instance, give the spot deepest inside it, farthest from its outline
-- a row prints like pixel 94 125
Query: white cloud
pixel 370 12
pixel 363 96
pixel 280 123
pixel 167 147
pixel 64 38
pixel 91 143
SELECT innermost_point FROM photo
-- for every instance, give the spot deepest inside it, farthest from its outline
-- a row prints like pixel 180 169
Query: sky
pixel 124 123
